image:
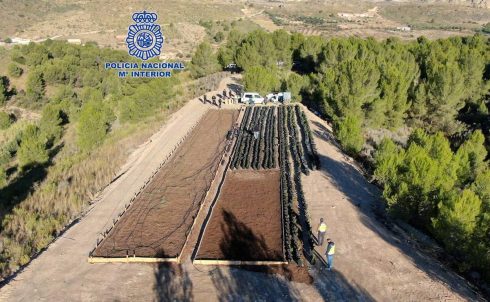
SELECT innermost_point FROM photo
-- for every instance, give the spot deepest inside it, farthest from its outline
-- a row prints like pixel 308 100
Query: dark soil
pixel 246 221
pixel 158 221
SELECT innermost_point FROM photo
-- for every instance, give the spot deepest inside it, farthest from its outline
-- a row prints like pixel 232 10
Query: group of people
pixel 330 252
pixel 218 99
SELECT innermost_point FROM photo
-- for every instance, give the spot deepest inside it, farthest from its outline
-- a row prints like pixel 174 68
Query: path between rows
pixel 371 263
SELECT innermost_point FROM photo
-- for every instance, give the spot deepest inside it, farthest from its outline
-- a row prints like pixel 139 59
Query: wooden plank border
pixel 237 262
pixel 130 260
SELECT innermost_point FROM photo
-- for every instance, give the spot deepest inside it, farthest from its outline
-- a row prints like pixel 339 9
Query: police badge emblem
pixel 145 38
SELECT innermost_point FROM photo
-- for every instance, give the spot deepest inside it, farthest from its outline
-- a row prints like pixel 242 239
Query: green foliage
pixel 445 192
pixel 204 61
pixel 5 120
pixel 348 131
pixel 36 54
pixel 93 124
pixel 51 119
pixel 220 36
pixel 260 79
pixel 257 49
pixel 457 220
pixel 32 150
pixel 14 70
pixel 3 90
pixel 35 87
pixel 470 157
pixel 294 84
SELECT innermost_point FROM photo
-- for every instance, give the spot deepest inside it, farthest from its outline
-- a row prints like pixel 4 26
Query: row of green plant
pixel 258 142
pixel 256 153
pixel 292 242
pixel 299 166
pixel 312 153
pixel 240 144
pixel 269 161
pixel 296 144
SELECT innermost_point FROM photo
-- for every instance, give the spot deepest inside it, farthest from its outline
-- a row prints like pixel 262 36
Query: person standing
pixel 322 230
pixel 329 253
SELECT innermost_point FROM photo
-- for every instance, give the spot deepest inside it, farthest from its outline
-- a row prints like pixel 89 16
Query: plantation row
pixel 292 196
pixel 256 153
pixel 300 165
pixel 292 242
pixel 312 154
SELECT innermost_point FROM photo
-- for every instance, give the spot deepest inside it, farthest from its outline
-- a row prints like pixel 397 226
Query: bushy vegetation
pixel 5 120
pixel 58 161
pixel 204 61
pixel 436 90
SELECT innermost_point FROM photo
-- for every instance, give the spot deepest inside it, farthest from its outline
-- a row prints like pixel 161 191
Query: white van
pixel 251 98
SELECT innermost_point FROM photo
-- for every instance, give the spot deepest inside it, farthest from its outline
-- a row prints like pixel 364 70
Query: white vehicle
pixel 251 98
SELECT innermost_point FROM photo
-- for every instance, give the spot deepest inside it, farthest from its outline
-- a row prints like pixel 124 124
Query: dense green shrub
pixel 14 70
pixel 5 120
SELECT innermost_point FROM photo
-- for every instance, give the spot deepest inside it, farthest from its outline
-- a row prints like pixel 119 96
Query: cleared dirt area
pixel 246 221
pixel 157 223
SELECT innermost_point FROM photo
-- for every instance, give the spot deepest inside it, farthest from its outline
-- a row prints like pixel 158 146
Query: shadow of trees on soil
pixel 241 243
pixel 172 283
pixel 272 282
pixel 367 197
pixel 24 183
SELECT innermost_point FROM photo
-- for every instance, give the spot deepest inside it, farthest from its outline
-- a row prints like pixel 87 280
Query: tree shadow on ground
pixel 239 284
pixel 367 197
pixel 24 183
pixel 248 283
pixel 172 283
pixel 241 243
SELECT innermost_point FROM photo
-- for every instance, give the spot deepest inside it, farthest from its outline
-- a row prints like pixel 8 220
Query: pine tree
pixel 204 61
pixel 32 149
pixel 348 131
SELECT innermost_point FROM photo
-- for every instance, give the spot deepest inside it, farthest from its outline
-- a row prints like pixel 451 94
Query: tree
pixel 36 55
pixel 3 89
pixel 93 124
pixel 348 131
pixel 260 79
pixel 35 86
pixel 50 124
pixel 258 49
pixel 457 220
pixel 14 70
pixel 204 61
pixel 219 37
pixel 294 84
pixel 32 150
pixel 470 157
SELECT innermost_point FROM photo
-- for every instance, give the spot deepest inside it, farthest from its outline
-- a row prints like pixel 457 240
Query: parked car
pixel 251 98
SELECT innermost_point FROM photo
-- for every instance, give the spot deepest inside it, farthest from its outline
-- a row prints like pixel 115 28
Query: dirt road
pixel 371 263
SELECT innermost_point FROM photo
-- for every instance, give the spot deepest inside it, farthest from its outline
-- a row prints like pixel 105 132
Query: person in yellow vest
pixel 329 253
pixel 322 229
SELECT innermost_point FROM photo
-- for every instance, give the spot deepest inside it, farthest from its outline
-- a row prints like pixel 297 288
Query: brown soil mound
pixel 157 223
pixel 246 221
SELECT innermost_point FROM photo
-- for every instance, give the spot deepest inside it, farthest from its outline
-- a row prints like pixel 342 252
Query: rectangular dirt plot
pixel 246 221
pixel 158 221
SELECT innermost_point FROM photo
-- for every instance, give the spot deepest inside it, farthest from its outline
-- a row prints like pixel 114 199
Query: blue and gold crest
pixel 145 38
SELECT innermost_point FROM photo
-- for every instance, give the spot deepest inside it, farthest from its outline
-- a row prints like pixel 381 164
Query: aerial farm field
pixel 158 221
